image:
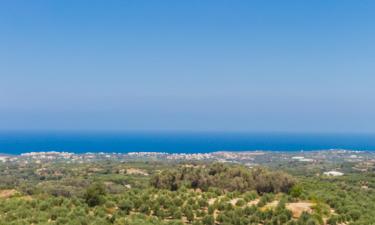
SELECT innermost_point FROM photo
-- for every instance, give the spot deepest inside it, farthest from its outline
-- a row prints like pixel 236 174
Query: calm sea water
pixel 19 142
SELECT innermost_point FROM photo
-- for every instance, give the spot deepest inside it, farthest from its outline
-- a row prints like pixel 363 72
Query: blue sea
pixel 178 142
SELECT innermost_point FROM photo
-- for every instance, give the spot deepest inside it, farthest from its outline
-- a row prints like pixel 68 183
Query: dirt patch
pixel 26 198
pixel 94 170
pixel 193 166
pixel 135 171
pixel 253 202
pixel 8 193
pixel 271 205
pixel 298 208
pixel 234 201
pixel 211 201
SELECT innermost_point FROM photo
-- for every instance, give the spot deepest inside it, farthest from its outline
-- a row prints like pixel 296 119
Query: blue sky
pixel 294 66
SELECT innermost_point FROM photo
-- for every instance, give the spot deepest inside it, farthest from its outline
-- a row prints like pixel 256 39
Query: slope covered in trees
pixel 224 177
pixel 111 193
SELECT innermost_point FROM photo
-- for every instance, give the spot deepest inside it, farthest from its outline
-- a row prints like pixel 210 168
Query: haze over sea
pixel 179 142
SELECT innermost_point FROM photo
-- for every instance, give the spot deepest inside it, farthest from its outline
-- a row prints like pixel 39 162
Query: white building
pixel 333 173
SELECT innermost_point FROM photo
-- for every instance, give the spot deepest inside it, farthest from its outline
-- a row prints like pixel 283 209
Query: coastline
pixel 187 153
pixel 242 157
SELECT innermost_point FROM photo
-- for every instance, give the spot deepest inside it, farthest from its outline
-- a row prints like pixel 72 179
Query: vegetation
pixel 224 177
pixel 114 193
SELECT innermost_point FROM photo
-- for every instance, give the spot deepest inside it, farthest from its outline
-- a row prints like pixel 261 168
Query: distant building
pixel 333 173
pixel 302 159
pixel 3 158
pixel 298 157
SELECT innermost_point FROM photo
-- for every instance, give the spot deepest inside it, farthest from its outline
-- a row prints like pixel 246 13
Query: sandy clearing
pixel 271 205
pixel 253 202
pixel 234 201
pixel 7 193
pixel 298 208
pixel 135 171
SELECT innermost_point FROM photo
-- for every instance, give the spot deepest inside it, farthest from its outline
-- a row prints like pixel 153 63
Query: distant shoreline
pixel 187 153
pixel 248 158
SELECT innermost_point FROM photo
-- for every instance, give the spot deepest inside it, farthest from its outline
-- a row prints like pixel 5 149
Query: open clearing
pixel 8 193
pixel 298 208
pixel 135 171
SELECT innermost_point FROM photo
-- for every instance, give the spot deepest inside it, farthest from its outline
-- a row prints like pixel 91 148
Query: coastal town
pixel 355 160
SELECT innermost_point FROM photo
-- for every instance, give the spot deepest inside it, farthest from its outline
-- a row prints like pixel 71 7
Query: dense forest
pixel 135 193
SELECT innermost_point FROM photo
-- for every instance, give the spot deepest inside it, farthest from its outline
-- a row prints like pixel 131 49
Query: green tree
pixel 126 206
pixel 94 194
pixel 208 220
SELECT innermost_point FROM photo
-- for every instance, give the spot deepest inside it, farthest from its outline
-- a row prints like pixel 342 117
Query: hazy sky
pixel 188 65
